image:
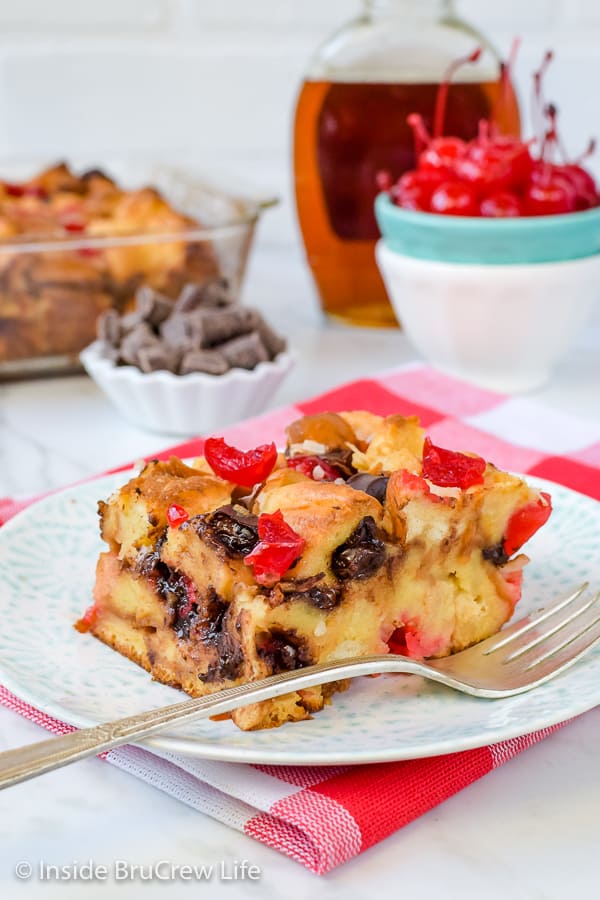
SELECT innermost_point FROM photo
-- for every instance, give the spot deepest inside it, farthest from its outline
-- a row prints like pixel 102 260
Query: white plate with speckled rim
pixel 48 554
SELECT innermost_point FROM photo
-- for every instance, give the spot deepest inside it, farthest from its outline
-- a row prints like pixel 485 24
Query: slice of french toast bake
pixel 363 537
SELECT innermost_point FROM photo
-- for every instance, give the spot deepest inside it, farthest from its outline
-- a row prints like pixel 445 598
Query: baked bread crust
pixel 50 301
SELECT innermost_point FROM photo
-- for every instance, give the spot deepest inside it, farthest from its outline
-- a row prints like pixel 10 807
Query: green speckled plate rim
pixel 409 718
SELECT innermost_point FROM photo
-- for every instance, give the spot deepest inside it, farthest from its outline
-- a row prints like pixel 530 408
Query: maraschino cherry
pixel 503 205
pixel 454 198
pixel 493 175
pixel 549 193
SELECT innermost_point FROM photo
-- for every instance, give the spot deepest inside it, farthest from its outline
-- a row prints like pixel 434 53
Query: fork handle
pixel 26 762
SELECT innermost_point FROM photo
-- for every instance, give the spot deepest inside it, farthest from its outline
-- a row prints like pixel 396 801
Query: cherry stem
pixel 442 94
pixel 548 145
pixel 537 107
pixel 512 56
pixel 551 114
pixel 422 136
pixel 547 174
pixel 589 151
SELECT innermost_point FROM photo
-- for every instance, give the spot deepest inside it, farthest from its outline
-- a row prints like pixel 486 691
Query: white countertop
pixel 528 830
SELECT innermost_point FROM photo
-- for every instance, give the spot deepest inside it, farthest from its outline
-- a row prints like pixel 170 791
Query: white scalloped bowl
pixel 185 404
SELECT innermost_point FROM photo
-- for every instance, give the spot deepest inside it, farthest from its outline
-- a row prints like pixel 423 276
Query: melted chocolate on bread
pixel 361 555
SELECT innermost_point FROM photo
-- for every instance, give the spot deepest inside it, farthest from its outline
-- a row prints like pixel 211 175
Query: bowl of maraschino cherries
pixel 490 248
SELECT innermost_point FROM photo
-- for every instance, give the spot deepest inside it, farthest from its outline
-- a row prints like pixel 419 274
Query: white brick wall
pixel 34 17
pixel 213 82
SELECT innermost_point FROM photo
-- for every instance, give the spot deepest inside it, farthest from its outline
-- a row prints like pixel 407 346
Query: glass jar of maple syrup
pixel 351 122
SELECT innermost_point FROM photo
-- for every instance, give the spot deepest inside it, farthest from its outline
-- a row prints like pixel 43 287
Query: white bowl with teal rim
pixel 495 301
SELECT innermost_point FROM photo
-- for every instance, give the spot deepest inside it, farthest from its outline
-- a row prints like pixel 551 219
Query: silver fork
pixel 517 659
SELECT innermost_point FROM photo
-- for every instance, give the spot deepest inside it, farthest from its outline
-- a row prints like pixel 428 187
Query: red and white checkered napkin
pixel 323 816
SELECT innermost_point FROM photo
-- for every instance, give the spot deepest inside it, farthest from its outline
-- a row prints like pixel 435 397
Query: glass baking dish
pixel 53 287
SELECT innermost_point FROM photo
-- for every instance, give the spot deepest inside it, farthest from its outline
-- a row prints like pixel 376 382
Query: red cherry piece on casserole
pixel 13 190
pixel 524 523
pixel 314 467
pixel 447 468
pixel 74 225
pixel 243 467
pixel 413 485
pixel 35 190
pixel 88 619
pixel 191 599
pixel 278 548
pixel 177 515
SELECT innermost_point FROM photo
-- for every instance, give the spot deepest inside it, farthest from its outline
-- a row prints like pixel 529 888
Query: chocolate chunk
pixel 311 590
pixel 180 331
pixel 341 459
pixel 174 589
pixel 213 629
pixel 204 328
pixel 203 331
pixel 282 650
pixel 109 327
pixel 130 321
pixel 205 617
pixel 245 496
pixel 190 298
pixel 374 485
pixel 158 356
pixel 141 336
pixel 186 330
pixel 229 661
pixel 361 555
pixel 245 352
pixel 149 563
pixel 322 597
pixel 220 325
pixel 231 528
pixel 273 343
pixel 153 307
pixel 496 554
pixel 213 614
pixel 210 361
pixel 217 292
pixel 214 293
